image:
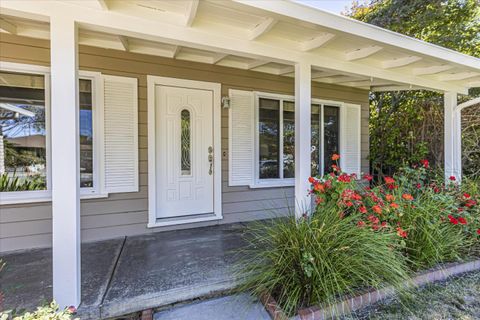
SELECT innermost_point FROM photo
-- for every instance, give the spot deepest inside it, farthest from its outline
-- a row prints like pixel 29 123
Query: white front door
pixel 184 151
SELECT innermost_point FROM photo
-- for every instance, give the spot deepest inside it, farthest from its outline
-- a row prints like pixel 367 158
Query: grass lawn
pixel 457 298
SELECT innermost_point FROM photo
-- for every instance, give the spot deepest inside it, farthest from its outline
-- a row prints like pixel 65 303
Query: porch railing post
pixel 453 137
pixel 303 100
pixel 65 161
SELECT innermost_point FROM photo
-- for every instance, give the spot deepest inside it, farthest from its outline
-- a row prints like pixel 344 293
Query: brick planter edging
pixel 351 304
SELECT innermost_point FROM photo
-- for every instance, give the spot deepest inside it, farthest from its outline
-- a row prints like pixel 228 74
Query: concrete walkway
pixel 130 274
pixel 236 307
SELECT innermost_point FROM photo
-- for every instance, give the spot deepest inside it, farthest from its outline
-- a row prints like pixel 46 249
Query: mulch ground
pixel 456 298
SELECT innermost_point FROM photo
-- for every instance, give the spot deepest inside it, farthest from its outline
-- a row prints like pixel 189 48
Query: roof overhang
pixel 264 36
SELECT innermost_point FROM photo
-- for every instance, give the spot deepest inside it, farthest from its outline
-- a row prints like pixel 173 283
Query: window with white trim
pixel 25 134
pixel 275 138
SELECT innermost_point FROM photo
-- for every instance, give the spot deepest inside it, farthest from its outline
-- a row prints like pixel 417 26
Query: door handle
pixel 210 160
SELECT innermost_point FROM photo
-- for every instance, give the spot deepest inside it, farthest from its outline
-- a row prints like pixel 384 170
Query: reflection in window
pixel 269 138
pixel 23 160
pixel 288 139
pixel 331 134
pixel 185 142
pixel 86 134
pixel 315 140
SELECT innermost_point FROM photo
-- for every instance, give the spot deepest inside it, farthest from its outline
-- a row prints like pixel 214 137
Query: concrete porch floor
pixel 130 274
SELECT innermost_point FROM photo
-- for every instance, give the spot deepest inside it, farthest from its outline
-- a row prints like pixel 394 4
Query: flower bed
pixel 363 237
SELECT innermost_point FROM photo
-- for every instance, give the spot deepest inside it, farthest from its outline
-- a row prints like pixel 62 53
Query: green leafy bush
pixel 8 183
pixel 50 312
pixel 318 259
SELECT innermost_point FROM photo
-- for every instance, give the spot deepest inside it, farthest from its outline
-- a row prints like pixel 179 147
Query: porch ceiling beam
pixel 394 88
pixel 175 51
pixel 256 64
pixel 400 62
pixel 155 30
pixel 103 4
pixel 124 42
pixel 218 57
pixel 262 28
pixel 457 76
pixel 316 42
pixel 8 26
pixel 286 70
pixel 191 12
pixel 474 84
pixel 431 70
pixel 323 74
pixel 362 53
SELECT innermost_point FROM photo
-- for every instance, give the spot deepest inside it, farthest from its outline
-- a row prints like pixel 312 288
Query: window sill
pixel 272 184
pixel 39 196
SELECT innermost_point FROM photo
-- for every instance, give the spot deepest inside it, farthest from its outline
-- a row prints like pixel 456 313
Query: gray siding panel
pixel 122 214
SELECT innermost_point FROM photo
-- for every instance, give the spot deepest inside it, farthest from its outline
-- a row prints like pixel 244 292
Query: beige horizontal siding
pixel 123 214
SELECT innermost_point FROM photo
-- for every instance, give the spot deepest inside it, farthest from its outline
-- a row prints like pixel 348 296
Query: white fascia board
pixel 154 30
pixel 296 10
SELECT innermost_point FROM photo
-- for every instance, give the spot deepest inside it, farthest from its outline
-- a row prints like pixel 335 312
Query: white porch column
pixel 303 100
pixel 65 161
pixel 453 137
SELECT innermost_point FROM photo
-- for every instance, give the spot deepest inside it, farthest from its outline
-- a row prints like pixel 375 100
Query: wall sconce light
pixel 226 102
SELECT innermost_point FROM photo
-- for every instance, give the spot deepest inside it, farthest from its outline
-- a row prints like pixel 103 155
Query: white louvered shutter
pixel 121 134
pixel 241 141
pixel 350 135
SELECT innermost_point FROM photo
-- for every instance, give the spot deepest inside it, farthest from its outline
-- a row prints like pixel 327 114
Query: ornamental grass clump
pixel 319 259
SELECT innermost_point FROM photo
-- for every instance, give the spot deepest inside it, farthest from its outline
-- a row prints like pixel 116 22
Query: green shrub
pixel 50 312
pixel 319 259
pixel 8 183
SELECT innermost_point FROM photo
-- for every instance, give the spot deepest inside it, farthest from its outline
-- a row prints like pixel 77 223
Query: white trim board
pixel 152 82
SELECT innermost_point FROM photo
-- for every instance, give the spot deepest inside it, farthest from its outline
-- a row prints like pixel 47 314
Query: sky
pixel 335 6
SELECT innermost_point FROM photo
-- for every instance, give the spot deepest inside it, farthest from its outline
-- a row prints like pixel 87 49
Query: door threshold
pixel 185 219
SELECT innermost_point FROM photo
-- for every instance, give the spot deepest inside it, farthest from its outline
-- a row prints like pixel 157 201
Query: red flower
pixel 407 196
pixel 478 231
pixel 389 180
pixel 384 224
pixel 462 220
pixel 344 178
pixel 335 157
pixel 360 224
pixel 362 209
pixel 424 163
pixel 401 233
pixel 466 196
pixel 390 197
pixel 377 209
pixel 452 178
pixel 368 177
pixel 470 203
pixel 319 187
pixel 349 203
pixel 311 180
pixel 71 309
pixel 419 186
pixel 436 190
pixel 453 220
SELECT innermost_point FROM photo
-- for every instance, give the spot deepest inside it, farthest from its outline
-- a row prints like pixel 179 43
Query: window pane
pixel 288 139
pixel 315 140
pixel 86 134
pixel 269 135
pixel 23 153
pixel 331 134
pixel 185 142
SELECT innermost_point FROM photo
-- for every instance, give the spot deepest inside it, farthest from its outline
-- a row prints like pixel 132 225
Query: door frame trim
pixel 152 82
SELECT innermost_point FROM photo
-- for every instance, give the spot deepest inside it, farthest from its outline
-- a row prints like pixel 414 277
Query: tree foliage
pixel 408 125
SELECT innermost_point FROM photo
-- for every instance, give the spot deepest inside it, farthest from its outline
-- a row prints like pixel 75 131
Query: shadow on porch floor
pixel 129 274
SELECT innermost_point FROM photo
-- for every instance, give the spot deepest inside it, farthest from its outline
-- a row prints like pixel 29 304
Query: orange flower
pixel 335 157
pixel 389 197
pixel 319 187
pixel 389 180
pixel 407 196
pixel 394 205
pixel 377 209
